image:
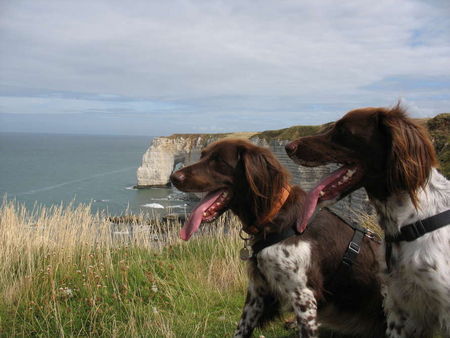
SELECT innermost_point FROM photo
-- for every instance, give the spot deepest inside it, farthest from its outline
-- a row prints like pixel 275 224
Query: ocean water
pixel 48 169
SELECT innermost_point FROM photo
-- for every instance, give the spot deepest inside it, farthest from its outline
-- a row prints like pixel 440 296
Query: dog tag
pixel 244 254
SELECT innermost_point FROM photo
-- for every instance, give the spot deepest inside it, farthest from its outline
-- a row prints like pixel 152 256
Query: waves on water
pixel 153 205
pixel 54 186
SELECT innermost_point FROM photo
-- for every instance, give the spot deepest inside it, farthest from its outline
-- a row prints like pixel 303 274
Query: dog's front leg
pixel 253 309
pixel 305 308
pixel 400 323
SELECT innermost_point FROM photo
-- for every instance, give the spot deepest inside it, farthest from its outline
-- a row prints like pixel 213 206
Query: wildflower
pixel 66 292
pixel 154 288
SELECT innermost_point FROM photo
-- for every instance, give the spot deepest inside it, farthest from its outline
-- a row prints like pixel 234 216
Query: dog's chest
pixel 421 272
pixel 285 267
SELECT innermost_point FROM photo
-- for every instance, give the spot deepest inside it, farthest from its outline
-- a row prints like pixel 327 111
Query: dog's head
pixel 380 149
pixel 236 175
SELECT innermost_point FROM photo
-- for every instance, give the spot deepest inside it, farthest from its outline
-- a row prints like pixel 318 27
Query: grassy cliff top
pixel 243 134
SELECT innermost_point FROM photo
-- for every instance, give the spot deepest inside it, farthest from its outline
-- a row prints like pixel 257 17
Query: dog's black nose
pixel 291 148
pixel 177 177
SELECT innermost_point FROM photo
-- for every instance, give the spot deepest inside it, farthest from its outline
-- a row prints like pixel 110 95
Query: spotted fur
pixel 299 273
pixel 397 167
pixel 418 286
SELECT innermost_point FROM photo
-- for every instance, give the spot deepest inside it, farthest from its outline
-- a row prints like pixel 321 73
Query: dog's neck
pixel 270 214
pixel 398 210
pixel 255 224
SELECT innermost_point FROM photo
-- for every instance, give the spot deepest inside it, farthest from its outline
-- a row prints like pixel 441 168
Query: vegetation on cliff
pixel 290 133
pixel 439 128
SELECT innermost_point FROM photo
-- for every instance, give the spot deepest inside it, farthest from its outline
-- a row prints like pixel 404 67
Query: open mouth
pixel 329 190
pixel 211 206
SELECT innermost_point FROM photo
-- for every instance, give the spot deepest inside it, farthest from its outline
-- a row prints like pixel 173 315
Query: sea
pixel 53 169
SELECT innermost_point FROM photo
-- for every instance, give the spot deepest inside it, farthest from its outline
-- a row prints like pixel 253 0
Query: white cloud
pixel 206 53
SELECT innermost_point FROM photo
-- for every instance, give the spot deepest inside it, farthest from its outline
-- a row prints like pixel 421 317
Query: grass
pixel 439 128
pixel 63 273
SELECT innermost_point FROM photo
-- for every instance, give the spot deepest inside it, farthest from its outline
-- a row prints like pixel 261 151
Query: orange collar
pixel 253 229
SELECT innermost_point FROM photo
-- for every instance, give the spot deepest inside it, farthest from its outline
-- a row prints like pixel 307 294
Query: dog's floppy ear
pixel 265 176
pixel 412 154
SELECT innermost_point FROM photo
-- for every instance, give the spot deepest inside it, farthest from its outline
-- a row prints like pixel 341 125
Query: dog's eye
pixel 222 165
pixel 222 161
pixel 341 135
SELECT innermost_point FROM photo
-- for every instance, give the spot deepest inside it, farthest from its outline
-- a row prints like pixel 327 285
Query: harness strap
pixel 352 251
pixel 388 255
pixel 350 254
pixel 272 239
pixel 415 230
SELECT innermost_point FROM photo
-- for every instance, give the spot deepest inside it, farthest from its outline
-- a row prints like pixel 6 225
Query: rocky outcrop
pixel 167 153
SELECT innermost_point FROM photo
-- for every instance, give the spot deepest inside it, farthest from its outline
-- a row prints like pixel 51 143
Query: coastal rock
pixel 167 153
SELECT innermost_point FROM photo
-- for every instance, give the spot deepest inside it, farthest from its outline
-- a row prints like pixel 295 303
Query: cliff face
pixel 307 178
pixel 165 153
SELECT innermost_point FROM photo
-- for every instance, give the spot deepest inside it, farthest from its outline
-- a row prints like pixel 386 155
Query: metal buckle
pixel 372 235
pixel 354 247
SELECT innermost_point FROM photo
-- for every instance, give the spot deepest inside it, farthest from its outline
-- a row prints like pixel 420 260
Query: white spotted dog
pixel 314 273
pixel 392 157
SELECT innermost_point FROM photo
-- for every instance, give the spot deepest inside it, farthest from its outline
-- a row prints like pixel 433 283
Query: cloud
pixel 316 59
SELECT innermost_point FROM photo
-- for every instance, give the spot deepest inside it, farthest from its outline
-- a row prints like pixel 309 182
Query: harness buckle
pixel 354 247
pixel 372 236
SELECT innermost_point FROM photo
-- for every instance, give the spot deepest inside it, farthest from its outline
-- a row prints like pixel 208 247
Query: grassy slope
pixel 60 274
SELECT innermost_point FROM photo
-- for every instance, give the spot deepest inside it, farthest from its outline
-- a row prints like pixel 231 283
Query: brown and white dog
pixel 392 157
pixel 300 272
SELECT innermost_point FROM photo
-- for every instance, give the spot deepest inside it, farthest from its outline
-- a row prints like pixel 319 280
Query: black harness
pixel 272 239
pixel 413 231
pixel 350 254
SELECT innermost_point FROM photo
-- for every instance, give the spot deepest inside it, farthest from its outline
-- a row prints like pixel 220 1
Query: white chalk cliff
pixel 165 153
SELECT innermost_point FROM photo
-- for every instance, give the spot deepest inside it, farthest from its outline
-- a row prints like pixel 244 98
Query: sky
pixel 156 67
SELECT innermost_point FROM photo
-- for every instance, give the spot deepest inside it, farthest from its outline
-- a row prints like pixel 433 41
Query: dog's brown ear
pixel 412 154
pixel 265 176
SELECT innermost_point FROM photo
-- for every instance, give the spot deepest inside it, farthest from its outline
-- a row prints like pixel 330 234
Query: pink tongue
pixel 193 223
pixel 313 196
